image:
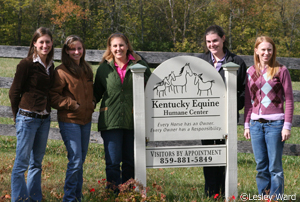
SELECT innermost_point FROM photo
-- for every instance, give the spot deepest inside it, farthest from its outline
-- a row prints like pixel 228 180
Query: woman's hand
pixel 286 134
pixel 247 133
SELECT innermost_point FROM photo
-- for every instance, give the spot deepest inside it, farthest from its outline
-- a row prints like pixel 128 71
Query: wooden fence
pixel 154 59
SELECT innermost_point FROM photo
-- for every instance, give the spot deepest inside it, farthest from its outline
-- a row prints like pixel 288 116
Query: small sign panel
pixel 185 100
pixel 190 156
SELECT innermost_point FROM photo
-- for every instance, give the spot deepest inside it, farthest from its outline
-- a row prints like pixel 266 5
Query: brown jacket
pixel 30 87
pixel 67 91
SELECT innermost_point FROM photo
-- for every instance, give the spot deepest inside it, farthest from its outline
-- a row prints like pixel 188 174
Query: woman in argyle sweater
pixel 266 122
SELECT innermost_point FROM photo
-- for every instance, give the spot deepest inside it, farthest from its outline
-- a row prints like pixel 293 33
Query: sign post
pixel 139 123
pixel 231 141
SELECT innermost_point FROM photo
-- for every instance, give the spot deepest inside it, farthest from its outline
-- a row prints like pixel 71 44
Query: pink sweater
pixel 265 97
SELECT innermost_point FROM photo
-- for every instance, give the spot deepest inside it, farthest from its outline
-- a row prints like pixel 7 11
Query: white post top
pixel 230 66
pixel 138 68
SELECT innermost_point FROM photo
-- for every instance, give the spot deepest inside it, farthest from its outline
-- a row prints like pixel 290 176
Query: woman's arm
pixel 18 84
pixel 241 84
pixel 247 111
pixel 288 94
pixel 289 103
pixel 98 87
pixel 248 104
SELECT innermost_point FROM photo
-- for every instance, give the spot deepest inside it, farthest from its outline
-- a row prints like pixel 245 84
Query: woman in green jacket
pixel 113 84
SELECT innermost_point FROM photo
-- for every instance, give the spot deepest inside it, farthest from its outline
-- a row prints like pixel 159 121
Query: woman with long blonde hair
pixel 113 86
pixel 266 122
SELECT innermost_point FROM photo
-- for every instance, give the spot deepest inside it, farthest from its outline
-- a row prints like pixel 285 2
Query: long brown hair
pixel 77 70
pixel 108 55
pixel 272 64
pixel 37 34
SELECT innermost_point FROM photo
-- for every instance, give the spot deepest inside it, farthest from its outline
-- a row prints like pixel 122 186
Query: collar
pixel 36 58
pixel 130 57
pixel 220 61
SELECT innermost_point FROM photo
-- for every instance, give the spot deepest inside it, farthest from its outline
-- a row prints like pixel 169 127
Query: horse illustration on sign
pixel 203 86
pixel 181 79
pixel 178 83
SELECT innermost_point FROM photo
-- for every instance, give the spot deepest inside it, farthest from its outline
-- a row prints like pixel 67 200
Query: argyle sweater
pixel 268 94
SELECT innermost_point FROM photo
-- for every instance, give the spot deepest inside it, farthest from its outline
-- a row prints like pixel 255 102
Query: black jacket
pixel 241 74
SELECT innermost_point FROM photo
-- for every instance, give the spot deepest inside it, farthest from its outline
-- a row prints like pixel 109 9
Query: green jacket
pixel 116 111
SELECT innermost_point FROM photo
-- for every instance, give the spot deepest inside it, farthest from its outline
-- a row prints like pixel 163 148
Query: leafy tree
pixel 66 16
pixel 155 25
pixel 287 36
pixel 13 19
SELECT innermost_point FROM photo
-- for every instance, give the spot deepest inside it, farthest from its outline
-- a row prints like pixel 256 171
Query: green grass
pixel 178 184
pixel 8 66
pixel 4 99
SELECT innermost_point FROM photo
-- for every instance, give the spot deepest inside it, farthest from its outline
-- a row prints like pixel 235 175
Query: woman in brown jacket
pixel 72 96
pixel 30 103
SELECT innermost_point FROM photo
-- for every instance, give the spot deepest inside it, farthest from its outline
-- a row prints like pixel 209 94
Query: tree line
pixel 155 25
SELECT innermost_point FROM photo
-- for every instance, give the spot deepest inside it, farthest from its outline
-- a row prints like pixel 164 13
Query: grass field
pixel 177 184
pixel 174 184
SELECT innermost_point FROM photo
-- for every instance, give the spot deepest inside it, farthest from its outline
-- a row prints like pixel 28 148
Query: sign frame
pixel 230 137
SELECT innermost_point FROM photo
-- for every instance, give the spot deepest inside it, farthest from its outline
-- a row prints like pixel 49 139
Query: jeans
pixel 32 135
pixel 267 148
pixel 118 147
pixel 76 138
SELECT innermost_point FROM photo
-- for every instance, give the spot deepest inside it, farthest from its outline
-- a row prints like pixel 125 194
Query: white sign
pixel 189 156
pixel 185 100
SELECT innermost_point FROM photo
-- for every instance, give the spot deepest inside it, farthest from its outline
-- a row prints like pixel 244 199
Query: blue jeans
pixel 118 147
pixel 267 148
pixel 76 138
pixel 32 135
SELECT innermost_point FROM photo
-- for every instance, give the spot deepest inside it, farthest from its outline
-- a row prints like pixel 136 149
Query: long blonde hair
pixel 273 64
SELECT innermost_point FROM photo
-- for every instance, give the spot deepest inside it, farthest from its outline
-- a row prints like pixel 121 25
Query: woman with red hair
pixel 266 122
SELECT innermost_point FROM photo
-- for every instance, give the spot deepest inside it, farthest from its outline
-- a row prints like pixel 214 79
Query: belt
pixel 263 120
pixel 33 115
